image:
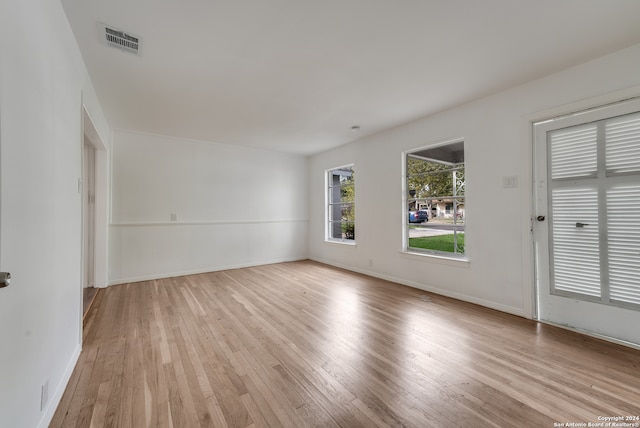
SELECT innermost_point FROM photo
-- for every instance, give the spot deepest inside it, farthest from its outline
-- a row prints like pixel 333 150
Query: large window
pixel 341 204
pixel 435 199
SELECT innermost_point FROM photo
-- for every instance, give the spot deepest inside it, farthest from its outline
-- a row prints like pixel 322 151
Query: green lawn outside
pixel 438 243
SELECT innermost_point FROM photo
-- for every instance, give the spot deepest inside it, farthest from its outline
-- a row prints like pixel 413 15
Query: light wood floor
pixel 303 344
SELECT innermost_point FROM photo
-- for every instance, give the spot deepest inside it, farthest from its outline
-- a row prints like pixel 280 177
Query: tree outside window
pixel 436 199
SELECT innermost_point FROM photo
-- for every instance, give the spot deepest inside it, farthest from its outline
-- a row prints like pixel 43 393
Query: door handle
pixel 540 218
pixel 578 224
pixel 5 279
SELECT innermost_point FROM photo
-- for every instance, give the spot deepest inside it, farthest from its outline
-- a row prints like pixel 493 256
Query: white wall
pixel 235 207
pixel 42 82
pixel 496 131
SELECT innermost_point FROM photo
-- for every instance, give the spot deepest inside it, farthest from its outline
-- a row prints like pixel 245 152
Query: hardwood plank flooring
pixel 303 344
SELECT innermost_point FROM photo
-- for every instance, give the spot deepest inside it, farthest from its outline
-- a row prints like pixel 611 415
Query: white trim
pixel 202 223
pixel 81 188
pixel 433 145
pixel 102 197
pixel 583 106
pixel 447 293
pixel 437 258
pixel 527 216
pixel 349 242
pixel 51 408
pixel 197 141
pixel 592 334
pixel 110 153
pixel 347 165
pixel 327 203
pixel 405 210
pixel 95 137
pixel 204 270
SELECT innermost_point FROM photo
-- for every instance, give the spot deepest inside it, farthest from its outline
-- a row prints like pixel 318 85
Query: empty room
pixel 278 213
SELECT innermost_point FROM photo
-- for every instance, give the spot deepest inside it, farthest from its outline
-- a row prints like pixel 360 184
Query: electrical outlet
pixel 174 217
pixel 510 181
pixel 370 262
pixel 44 394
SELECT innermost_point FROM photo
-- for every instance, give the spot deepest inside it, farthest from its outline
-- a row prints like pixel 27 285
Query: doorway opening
pixel 88 224
pixel 93 188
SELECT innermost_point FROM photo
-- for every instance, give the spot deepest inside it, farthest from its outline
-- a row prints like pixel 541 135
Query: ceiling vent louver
pixel 120 40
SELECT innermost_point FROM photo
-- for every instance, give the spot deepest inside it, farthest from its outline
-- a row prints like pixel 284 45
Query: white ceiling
pixel 296 75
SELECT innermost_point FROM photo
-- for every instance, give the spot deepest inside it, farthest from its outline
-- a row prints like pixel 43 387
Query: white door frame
pixel 101 227
pixel 536 238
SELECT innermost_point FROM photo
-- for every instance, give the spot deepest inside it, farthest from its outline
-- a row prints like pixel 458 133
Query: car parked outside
pixel 418 216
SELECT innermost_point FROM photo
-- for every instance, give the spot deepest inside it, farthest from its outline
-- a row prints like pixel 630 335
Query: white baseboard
pixel 465 298
pixel 592 334
pixel 198 271
pixel 54 400
pixel 486 303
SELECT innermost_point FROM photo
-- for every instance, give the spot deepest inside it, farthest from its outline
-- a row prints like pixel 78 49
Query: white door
pixel 587 221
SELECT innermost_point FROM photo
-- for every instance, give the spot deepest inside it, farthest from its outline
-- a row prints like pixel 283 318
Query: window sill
pixel 461 262
pixel 340 242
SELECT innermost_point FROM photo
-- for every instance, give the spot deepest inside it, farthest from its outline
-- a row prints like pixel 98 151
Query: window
pixel 341 204
pixel 435 200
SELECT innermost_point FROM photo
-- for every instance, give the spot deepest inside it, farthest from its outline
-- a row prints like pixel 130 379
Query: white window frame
pixel 329 204
pixel 463 257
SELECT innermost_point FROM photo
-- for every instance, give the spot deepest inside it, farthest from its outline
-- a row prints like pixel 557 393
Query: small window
pixel 341 225
pixel 435 199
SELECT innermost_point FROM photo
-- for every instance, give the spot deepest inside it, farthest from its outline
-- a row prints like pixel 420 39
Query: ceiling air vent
pixel 119 39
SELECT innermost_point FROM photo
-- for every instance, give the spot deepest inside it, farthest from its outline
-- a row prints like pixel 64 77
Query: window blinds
pixel 623 226
pixel 576 255
pixel 574 152
pixel 622 136
pixel 595 210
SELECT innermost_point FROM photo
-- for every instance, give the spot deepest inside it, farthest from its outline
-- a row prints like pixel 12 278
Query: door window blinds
pixel 595 210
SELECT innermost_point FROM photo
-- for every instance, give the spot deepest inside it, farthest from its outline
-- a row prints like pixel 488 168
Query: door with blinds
pixel 587 222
